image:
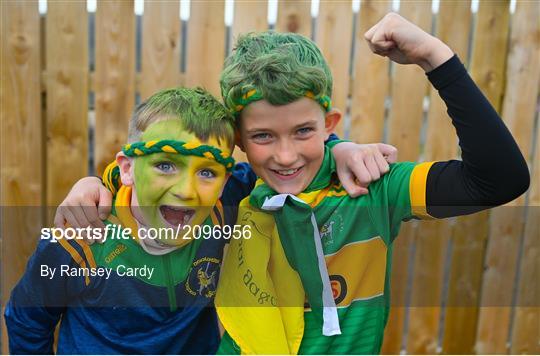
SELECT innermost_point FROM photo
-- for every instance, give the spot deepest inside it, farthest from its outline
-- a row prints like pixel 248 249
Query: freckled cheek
pixel 313 150
pixel 258 154
pixel 315 155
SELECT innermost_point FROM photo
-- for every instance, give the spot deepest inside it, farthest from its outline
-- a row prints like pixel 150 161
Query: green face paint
pixel 174 189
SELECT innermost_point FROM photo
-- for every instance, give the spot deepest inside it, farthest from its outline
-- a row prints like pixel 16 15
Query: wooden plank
pixel 249 16
pixel 67 97
pixel 488 58
pixel 441 144
pixel 294 16
pixel 114 78
pixel 523 76
pixel 468 248
pixel 526 330
pixel 334 37
pixel 371 78
pixel 488 70
pixel 92 80
pixel 21 143
pixel 408 87
pixel 206 44
pixel 160 65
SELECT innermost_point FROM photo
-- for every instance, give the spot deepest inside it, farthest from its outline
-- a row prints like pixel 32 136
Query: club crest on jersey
pixel 202 278
pixel 331 228
pixel 339 287
pixel 338 284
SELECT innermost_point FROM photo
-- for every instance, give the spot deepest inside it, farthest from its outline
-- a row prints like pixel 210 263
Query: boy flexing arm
pixel 308 235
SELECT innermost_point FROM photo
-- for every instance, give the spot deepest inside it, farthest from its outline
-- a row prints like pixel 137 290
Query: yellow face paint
pixel 174 189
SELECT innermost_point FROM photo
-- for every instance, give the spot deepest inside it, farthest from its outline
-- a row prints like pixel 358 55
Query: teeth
pixel 174 218
pixel 288 172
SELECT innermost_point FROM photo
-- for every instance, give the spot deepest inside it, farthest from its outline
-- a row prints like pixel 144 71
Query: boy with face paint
pixel 315 276
pixel 136 294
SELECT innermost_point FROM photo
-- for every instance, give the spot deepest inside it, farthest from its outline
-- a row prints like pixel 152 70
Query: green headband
pixel 138 149
pixel 254 95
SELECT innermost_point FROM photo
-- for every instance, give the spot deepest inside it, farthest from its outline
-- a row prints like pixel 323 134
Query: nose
pixel 286 153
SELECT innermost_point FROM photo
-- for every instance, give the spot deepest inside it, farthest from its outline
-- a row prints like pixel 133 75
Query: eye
pixel 206 173
pixel 165 167
pixel 261 137
pixel 305 130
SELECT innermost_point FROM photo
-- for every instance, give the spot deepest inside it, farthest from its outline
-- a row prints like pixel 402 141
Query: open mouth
pixel 287 173
pixel 176 215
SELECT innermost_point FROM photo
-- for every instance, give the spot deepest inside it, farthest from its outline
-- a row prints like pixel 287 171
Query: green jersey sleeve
pixel 398 196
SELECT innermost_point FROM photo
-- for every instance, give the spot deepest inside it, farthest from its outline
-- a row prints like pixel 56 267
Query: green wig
pixel 278 67
pixel 200 114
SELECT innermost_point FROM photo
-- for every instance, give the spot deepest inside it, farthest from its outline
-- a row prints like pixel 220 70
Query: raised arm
pixel 493 170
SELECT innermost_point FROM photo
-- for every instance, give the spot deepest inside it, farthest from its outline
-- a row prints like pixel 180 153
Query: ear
pixel 126 165
pixel 238 139
pixel 331 119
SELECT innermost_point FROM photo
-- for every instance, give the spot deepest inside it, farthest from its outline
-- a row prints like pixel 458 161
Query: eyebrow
pixel 181 160
pixel 306 123
pixel 175 157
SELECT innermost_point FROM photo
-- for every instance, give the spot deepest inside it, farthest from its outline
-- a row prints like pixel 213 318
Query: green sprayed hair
pixel 280 66
pixel 200 113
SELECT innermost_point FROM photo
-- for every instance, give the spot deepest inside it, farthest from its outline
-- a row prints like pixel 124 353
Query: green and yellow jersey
pixel 356 236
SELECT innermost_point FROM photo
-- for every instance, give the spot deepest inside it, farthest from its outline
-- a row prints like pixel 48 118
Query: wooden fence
pixel 466 285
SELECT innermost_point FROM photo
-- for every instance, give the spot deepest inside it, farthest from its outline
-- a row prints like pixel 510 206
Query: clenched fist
pixel 405 43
